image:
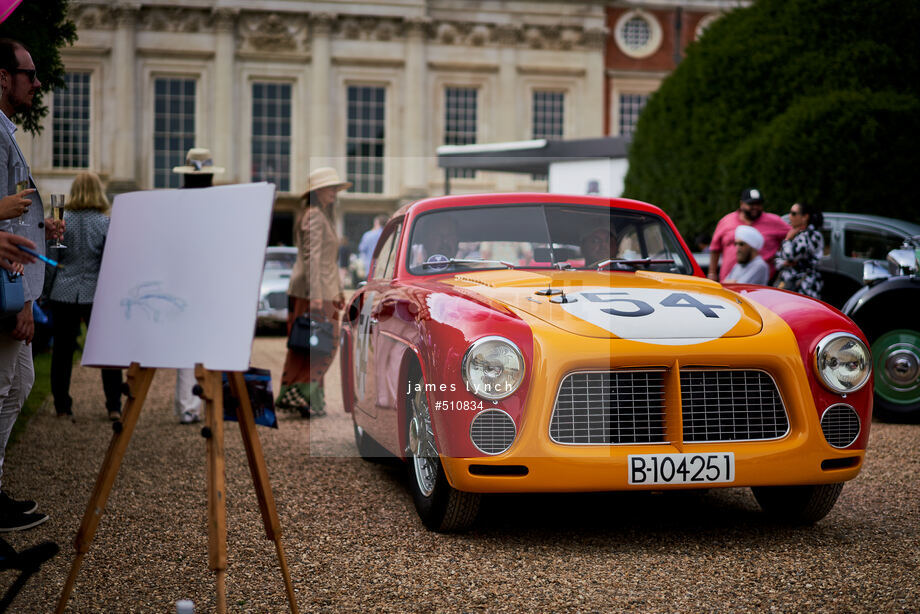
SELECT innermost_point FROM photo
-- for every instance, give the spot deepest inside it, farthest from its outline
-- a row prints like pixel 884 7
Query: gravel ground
pixel 354 543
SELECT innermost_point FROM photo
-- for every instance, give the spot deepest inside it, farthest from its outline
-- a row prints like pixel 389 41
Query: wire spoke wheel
pixel 440 506
pixel 422 445
pixel 896 362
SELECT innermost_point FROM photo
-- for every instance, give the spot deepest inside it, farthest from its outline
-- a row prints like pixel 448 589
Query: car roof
pixel 524 199
pixel 904 226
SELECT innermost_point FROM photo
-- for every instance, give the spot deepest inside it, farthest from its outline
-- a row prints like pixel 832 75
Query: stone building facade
pixel 277 87
pixel 646 42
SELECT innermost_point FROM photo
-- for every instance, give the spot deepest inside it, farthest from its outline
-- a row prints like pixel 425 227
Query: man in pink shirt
pixel 750 212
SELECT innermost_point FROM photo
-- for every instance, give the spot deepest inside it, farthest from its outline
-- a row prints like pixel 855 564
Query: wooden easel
pixel 139 379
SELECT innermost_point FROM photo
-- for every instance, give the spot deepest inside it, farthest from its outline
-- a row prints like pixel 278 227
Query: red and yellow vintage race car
pixel 546 343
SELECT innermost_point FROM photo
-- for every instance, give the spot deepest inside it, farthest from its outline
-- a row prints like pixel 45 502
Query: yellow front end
pixel 536 463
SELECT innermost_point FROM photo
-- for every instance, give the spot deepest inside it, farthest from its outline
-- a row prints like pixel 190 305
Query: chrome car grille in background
pixel 728 405
pixel 609 408
pixel 277 300
pixel 627 407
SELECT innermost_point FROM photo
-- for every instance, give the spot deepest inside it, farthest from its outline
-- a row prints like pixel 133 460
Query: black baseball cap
pixel 752 195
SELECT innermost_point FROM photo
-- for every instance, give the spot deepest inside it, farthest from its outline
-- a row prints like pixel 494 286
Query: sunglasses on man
pixel 29 72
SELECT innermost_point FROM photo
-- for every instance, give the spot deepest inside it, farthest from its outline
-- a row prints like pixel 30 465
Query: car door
pixel 368 334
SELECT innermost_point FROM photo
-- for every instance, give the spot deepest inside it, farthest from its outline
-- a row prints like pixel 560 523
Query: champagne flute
pixel 21 176
pixel 57 213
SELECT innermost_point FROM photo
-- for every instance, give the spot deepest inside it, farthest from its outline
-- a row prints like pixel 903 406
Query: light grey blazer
pixel 10 158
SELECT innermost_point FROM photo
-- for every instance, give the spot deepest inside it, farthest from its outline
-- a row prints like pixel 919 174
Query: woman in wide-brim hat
pixel 315 287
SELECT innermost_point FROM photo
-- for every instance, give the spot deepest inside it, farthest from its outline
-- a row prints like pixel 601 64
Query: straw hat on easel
pixel 198 161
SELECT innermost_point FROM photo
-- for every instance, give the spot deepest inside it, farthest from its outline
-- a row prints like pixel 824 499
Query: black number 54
pixel 641 308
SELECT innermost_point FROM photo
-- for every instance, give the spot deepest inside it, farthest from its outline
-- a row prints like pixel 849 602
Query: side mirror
pixel 903 261
pixel 875 271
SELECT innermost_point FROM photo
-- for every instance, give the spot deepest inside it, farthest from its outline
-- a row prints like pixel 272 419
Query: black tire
pixel 370 450
pixel 894 413
pixel 440 506
pixel 798 504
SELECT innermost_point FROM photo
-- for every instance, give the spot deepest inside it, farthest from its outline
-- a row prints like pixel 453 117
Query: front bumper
pixel 793 460
pixel 535 463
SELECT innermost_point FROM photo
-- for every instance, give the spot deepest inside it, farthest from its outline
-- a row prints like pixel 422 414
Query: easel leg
pixel 212 395
pixel 260 478
pixel 139 379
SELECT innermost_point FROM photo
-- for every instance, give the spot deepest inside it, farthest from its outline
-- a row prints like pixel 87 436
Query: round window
pixel 638 34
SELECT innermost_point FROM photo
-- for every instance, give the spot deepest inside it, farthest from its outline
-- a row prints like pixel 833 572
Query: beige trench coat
pixel 316 273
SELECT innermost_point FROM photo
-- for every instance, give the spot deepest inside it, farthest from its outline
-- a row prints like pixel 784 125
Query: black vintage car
pixel 886 310
pixel 850 239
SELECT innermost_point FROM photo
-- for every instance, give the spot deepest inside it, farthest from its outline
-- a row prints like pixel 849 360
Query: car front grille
pixel 840 425
pixel 729 405
pixel 492 431
pixel 277 300
pixel 616 407
pixel 628 407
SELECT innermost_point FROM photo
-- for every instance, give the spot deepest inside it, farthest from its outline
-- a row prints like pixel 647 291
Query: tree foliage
pixel 43 28
pixel 804 99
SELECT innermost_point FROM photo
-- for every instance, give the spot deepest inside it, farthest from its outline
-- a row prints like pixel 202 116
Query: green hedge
pixel 813 99
pixel 44 28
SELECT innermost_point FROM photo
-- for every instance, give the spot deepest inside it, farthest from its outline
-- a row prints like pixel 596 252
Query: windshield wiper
pixel 450 261
pixel 626 262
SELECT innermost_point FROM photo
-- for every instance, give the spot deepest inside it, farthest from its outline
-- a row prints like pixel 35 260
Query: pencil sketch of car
pixel 150 299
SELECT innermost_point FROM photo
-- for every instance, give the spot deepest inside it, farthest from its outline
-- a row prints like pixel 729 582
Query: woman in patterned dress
pixel 71 289
pixel 798 257
pixel 315 287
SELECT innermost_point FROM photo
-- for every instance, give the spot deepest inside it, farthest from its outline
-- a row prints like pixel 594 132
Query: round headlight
pixel 843 363
pixel 493 368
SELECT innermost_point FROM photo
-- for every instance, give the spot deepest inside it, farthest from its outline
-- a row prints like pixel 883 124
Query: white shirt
pixel 757 271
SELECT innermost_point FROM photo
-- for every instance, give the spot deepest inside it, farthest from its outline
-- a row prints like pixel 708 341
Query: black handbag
pixel 311 334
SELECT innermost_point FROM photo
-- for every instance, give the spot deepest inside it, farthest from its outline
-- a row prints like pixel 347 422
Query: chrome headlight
pixel 843 363
pixel 492 368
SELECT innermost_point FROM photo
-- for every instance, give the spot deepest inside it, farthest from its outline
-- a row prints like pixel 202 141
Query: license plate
pixel 681 468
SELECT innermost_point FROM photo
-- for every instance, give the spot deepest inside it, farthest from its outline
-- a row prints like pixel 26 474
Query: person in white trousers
pixel 18 85
pixel 198 172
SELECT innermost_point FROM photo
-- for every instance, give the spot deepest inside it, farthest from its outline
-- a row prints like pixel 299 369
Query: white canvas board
pixel 180 275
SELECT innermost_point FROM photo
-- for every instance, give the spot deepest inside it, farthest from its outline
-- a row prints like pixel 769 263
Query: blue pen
pixel 39 256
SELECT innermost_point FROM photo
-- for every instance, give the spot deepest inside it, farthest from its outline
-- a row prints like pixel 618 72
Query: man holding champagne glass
pixel 18 84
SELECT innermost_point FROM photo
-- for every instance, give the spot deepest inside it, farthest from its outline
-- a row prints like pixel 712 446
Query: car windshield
pixel 543 236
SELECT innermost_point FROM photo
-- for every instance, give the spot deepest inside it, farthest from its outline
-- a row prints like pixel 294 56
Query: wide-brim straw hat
pixel 198 161
pixel 325 177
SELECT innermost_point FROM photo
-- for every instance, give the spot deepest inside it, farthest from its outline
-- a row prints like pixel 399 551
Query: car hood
pixel 659 308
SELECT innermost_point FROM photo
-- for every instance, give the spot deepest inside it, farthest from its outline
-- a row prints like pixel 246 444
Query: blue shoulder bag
pixel 11 297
